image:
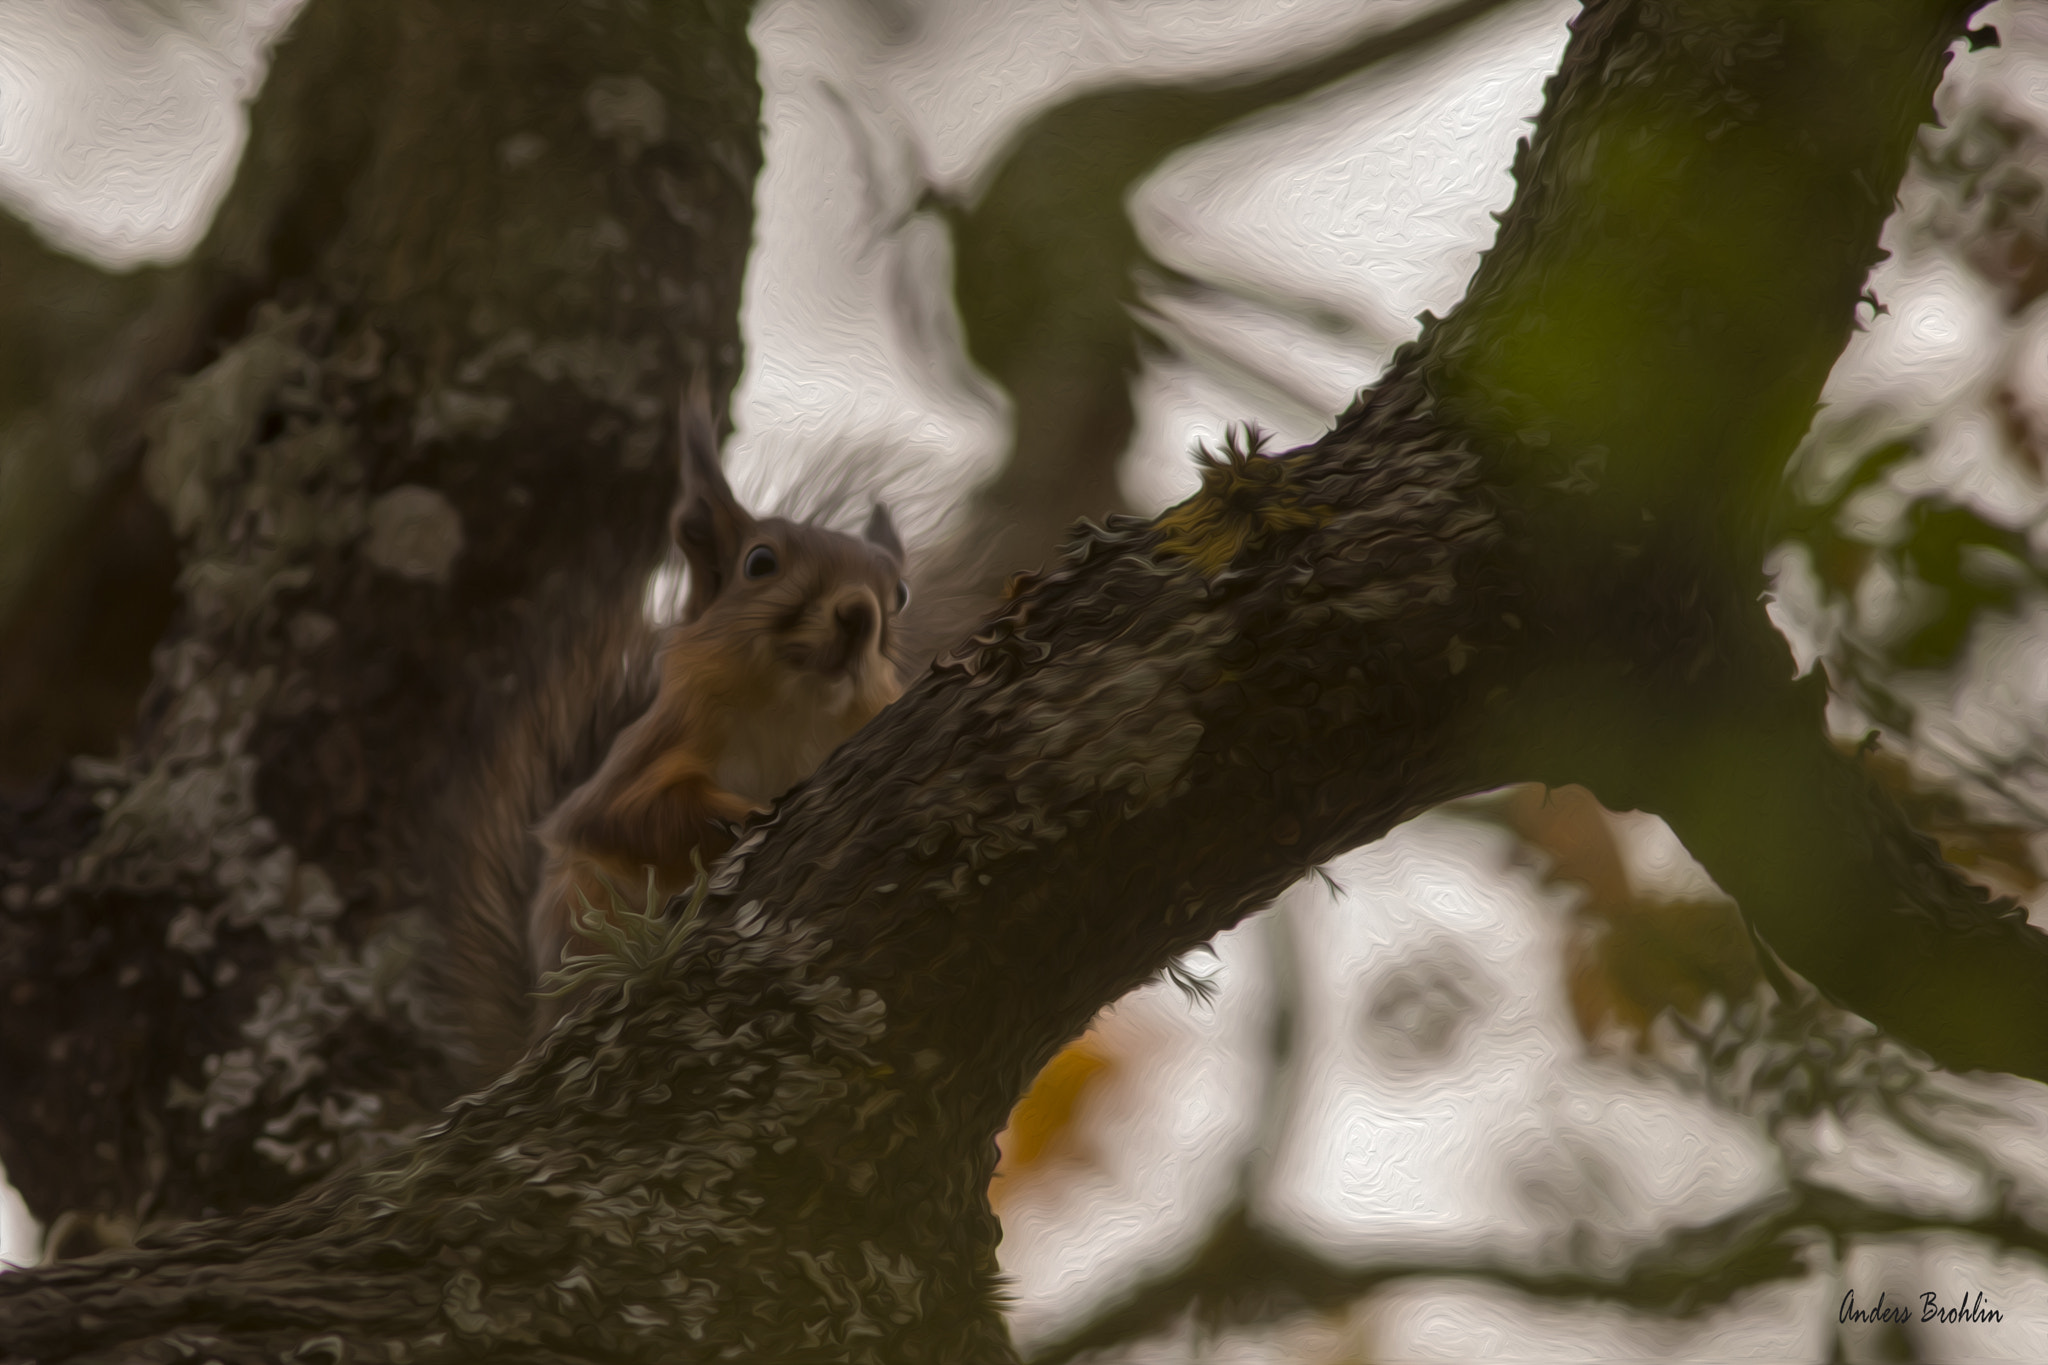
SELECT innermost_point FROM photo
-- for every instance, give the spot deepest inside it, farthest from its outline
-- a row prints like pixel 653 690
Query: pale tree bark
pixel 432 343
pixel 1530 551
pixel 85 354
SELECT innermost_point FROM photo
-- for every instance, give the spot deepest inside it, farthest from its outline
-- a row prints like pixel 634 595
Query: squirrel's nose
pixel 856 623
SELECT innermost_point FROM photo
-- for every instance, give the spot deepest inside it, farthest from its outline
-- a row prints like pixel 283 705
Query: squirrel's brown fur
pixel 789 642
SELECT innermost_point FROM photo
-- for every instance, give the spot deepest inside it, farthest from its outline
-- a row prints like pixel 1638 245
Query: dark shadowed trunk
pixel 1531 551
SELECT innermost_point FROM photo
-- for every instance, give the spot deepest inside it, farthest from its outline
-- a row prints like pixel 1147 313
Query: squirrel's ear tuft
pixel 882 531
pixel 708 522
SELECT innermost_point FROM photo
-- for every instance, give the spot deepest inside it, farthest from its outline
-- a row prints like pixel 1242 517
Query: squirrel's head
pixel 774 598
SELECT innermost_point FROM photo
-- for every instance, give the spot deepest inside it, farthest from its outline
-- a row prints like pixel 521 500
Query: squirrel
pixel 788 642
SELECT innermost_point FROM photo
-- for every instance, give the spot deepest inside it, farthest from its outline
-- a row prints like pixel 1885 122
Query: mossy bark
pixel 1531 551
pixel 423 434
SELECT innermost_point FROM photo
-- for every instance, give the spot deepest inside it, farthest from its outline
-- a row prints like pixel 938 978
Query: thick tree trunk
pixel 444 313
pixel 81 354
pixel 1531 551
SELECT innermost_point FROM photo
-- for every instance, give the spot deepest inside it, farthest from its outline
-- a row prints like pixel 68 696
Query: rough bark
pixel 1530 551
pixel 85 354
pixel 90 563
pixel 438 328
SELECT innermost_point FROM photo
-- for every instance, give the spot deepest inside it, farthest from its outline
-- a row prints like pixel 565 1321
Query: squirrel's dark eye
pixel 902 593
pixel 760 563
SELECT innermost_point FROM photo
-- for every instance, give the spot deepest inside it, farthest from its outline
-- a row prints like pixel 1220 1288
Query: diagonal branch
pixel 1640 365
pixel 770 1137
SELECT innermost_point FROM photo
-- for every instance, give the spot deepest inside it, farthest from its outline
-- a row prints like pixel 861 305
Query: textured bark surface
pixel 435 335
pixel 1531 551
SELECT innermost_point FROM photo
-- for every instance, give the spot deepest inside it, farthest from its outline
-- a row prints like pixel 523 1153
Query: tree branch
pixel 1641 365
pixel 768 1134
pixel 1043 275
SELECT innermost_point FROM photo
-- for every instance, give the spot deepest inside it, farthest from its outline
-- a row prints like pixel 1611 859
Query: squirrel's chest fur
pixel 779 736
